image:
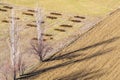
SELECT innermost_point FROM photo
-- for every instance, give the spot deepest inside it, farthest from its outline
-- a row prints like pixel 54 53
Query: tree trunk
pixel 39 33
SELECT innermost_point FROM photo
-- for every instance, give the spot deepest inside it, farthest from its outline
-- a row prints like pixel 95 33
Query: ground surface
pixel 94 56
pixel 84 7
pixel 91 57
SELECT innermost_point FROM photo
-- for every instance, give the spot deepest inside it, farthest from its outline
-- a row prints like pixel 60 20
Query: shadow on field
pixel 72 61
pixel 70 55
pixel 83 75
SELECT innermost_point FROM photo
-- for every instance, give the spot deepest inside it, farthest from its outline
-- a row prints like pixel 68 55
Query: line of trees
pixel 18 67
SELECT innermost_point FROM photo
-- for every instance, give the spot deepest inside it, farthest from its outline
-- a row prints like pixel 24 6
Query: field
pixel 84 7
pixel 91 51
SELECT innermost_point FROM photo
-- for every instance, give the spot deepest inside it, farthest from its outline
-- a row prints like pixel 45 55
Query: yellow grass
pixel 103 31
pixel 84 7
pixel 98 55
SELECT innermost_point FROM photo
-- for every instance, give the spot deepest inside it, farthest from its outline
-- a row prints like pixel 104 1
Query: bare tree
pixel 42 47
pixel 38 17
pixel 22 69
pixel 14 45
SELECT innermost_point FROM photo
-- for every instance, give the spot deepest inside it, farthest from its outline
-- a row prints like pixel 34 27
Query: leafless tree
pixel 42 48
pixel 38 17
pixel 21 65
pixel 14 38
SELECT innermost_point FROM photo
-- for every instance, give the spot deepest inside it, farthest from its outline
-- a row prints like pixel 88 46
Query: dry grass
pixel 94 56
pixel 84 7
pixel 97 47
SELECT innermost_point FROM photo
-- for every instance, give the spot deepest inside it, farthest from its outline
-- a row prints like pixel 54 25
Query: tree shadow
pixel 83 75
pixel 71 54
pixel 41 71
pixel 72 61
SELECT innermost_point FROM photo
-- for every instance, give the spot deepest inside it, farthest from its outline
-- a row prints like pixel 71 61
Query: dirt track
pixel 94 56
